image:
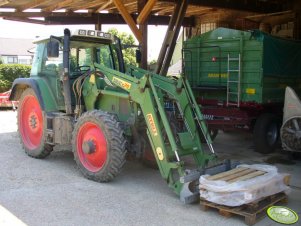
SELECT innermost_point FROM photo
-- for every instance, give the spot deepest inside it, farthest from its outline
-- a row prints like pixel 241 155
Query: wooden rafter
pixel 165 10
pixel 42 14
pixel 58 5
pixel 4 2
pixel 129 20
pixel 125 4
pixel 32 4
pixel 198 10
pixel 266 6
pixel 88 5
pixel 104 6
pixel 147 9
pixel 88 18
pixel 26 20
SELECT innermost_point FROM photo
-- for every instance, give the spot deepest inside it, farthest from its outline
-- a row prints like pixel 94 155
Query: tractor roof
pixel 85 35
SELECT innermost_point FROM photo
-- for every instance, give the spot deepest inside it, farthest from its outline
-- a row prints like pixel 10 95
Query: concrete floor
pixel 53 192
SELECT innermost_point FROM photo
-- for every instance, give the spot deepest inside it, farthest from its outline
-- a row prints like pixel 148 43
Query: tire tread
pixel 116 142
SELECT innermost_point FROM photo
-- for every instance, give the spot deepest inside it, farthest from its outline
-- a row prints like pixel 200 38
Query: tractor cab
pixel 86 47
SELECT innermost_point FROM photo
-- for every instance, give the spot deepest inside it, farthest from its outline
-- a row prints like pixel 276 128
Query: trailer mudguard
pixel 45 97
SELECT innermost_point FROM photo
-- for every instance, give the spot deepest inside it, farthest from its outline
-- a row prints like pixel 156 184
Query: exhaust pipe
pixel 65 75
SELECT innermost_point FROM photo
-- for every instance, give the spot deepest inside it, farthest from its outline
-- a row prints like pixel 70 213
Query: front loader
pixel 81 94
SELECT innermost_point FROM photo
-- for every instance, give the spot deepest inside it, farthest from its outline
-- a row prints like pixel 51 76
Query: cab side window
pixel 104 56
pixel 36 63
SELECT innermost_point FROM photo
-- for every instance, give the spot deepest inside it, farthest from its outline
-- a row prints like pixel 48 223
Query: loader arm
pixel 151 91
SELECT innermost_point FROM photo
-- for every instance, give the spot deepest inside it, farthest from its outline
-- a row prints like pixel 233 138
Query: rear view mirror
pixel 138 56
pixel 53 48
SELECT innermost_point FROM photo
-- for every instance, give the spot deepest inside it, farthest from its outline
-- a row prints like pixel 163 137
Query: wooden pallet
pixel 252 212
pixel 238 174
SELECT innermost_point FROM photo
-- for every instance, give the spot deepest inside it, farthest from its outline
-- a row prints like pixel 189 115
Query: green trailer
pixel 239 78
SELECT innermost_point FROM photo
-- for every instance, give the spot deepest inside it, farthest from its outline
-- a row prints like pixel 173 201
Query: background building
pixel 16 51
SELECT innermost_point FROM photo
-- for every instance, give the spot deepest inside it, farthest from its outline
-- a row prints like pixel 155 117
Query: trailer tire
pixel 266 133
pixel 99 146
pixel 31 126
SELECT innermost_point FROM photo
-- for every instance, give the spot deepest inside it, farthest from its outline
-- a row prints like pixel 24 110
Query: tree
pixel 129 54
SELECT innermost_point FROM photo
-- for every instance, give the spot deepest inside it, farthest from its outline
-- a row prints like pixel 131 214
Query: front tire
pixel 31 126
pixel 98 145
pixel 266 133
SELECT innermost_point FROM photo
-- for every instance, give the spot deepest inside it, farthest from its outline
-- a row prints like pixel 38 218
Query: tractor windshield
pixel 82 55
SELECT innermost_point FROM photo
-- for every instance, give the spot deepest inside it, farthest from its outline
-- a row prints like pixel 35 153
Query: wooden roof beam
pixel 107 18
pixel 32 4
pixel 88 5
pixel 147 9
pixel 58 6
pixel 249 6
pixel 89 18
pixel 165 10
pixel 201 11
pixel 104 6
pixel 4 2
pixel 129 20
pixel 125 4
pixel 43 14
pixel 26 20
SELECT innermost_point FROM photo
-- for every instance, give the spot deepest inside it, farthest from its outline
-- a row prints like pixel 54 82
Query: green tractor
pixel 80 94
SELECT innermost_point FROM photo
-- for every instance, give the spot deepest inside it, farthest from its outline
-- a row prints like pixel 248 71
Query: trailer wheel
pixel 31 126
pixel 98 145
pixel 266 133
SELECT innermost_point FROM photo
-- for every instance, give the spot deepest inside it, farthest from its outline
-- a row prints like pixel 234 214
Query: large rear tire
pixel 31 126
pixel 266 133
pixel 99 146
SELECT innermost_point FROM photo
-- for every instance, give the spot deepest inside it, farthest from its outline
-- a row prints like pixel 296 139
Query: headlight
pixel 91 33
pixel 82 32
pixel 100 34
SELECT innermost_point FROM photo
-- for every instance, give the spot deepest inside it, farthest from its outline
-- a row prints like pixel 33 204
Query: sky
pixel 12 29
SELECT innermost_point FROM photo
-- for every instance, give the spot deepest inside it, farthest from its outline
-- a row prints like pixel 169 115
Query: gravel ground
pixel 53 192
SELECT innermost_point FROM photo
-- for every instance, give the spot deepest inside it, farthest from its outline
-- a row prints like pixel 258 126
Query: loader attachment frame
pixel 151 92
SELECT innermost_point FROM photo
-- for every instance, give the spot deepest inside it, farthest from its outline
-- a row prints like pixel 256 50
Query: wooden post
pixel 143 30
pixel 98 26
pixel 297 22
pixel 171 36
pixel 297 26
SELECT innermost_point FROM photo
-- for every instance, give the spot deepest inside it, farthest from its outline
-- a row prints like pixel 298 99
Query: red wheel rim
pixel 31 122
pixel 92 134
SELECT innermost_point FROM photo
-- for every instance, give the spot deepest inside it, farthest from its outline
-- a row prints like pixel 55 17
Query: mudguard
pixel 45 97
pixel 290 131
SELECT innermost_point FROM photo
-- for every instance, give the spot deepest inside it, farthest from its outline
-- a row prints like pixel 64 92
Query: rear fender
pixel 45 97
pixel 292 104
